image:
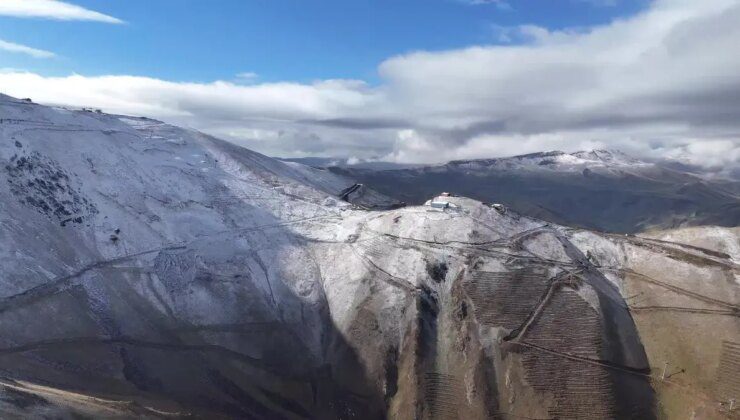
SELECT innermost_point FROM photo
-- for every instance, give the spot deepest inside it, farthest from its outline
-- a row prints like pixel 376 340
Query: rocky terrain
pixel 149 271
pixel 599 189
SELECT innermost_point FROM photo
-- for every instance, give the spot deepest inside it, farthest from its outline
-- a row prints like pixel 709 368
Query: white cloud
pixel 246 78
pixel 222 100
pixel 23 49
pixel 600 3
pixel 247 75
pixel 661 83
pixel 51 9
pixel 713 153
pixel 500 4
pixel 504 34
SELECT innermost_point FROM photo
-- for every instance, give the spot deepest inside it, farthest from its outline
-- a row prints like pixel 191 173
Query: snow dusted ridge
pixel 556 160
pixel 600 189
pixel 150 271
pixel 722 240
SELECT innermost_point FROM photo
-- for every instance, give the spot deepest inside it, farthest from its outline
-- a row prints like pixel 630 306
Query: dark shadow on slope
pixel 129 335
pixel 622 347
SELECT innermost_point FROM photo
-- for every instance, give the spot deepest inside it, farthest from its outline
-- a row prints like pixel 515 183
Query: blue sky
pixel 418 81
pixel 197 40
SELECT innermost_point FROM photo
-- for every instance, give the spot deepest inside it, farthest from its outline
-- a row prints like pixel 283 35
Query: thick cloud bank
pixel 663 83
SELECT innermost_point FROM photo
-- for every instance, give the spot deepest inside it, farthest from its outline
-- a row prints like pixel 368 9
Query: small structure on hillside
pixel 440 204
pixel 499 208
pixel 437 203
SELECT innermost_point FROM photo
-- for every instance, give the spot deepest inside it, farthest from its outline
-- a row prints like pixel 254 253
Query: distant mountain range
pixel 600 189
pixel 327 162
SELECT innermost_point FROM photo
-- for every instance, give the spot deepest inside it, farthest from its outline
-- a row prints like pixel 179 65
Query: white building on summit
pixel 439 203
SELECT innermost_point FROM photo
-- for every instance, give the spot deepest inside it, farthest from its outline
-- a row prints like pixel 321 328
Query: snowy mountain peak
pixel 607 156
pixel 555 159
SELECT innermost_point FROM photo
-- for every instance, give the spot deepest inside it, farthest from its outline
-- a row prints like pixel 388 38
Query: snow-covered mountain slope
pixel 148 248
pixel 556 161
pixel 600 189
pixel 343 187
pixel 151 271
pixel 377 165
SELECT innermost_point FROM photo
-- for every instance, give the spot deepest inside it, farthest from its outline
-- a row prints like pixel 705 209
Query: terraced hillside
pixel 149 271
